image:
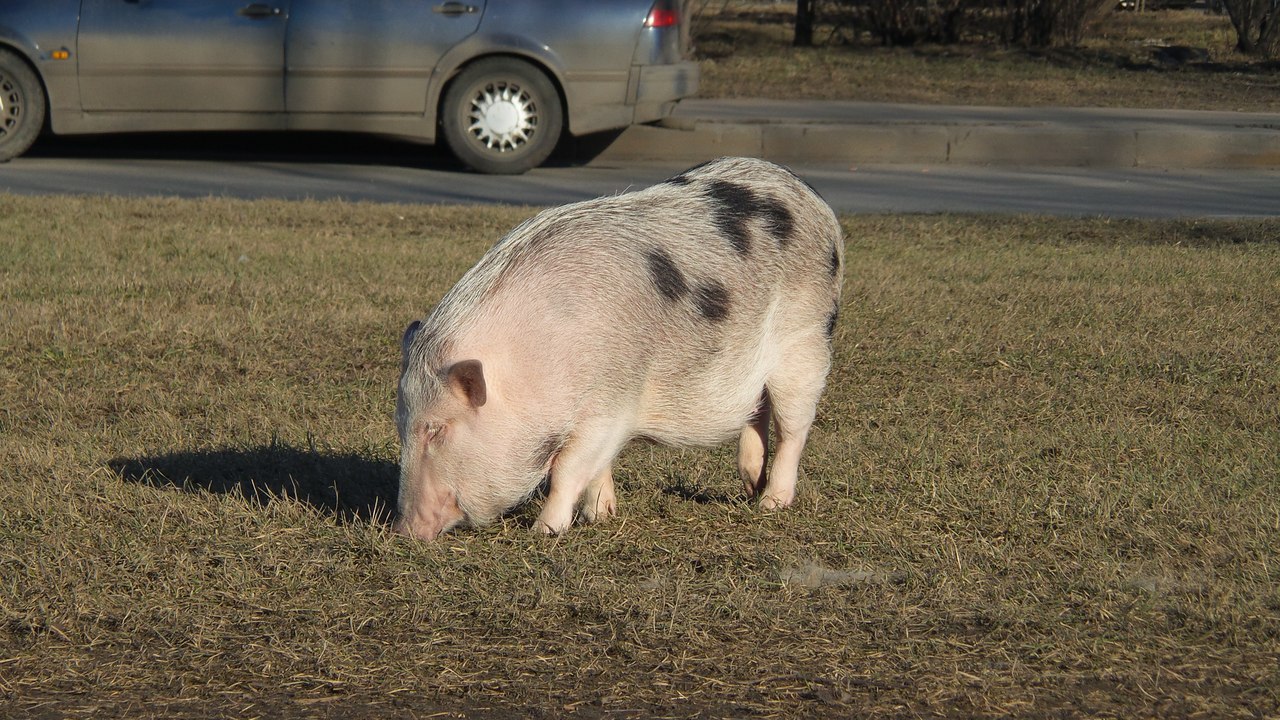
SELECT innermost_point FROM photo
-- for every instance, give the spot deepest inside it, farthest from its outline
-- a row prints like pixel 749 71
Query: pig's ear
pixel 409 334
pixel 467 380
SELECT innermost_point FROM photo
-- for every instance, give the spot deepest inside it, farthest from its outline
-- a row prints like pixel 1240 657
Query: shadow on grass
pixel 702 496
pixel 345 485
pixel 300 148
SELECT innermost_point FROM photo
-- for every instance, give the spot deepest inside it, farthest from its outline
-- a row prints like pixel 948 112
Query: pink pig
pixel 688 313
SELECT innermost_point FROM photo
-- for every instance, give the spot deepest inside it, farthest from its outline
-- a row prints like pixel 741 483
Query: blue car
pixel 498 81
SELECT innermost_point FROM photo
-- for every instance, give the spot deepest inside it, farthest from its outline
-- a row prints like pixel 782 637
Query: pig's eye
pixel 432 432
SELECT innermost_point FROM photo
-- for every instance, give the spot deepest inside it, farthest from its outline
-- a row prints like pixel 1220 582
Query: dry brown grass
pixel 746 53
pixel 1043 483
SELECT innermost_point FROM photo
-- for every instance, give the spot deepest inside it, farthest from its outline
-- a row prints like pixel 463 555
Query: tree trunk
pixel 804 23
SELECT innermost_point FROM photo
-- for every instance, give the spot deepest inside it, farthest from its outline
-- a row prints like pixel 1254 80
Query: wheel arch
pixel 23 55
pixel 548 66
pixel 7 44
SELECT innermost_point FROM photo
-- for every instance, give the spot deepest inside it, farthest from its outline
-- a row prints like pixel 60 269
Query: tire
pixel 22 106
pixel 501 116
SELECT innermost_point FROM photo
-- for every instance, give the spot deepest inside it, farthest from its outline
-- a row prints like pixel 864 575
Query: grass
pixel 1043 482
pixel 745 52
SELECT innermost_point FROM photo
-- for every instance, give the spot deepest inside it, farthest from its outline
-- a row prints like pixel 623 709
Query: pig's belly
pixel 696 432
pixel 709 413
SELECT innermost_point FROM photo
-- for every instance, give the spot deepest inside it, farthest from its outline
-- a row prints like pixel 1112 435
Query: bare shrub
pixel 909 22
pixel 1050 23
pixel 1031 23
pixel 1257 24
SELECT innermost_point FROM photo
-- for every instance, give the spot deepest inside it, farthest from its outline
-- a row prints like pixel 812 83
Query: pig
pixel 689 313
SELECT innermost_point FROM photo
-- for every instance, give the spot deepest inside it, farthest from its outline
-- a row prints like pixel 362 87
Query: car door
pixel 182 55
pixel 369 56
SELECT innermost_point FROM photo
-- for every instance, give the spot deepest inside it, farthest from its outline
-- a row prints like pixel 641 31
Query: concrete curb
pixel 853 133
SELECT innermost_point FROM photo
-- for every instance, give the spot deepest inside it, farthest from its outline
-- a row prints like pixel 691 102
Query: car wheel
pixel 501 116
pixel 21 106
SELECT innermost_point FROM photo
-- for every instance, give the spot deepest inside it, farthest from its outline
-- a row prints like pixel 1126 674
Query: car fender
pixel 482 45
pixel 43 32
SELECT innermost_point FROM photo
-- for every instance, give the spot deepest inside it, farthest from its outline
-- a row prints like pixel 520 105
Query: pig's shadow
pixel 346 485
pixel 682 489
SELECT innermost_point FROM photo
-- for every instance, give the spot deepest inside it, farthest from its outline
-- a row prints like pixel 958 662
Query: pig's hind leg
pixel 582 467
pixel 794 389
pixel 753 448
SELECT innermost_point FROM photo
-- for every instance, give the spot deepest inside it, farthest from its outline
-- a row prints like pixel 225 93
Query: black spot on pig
pixel 683 178
pixel 734 206
pixel 831 322
pixel 712 301
pixel 779 218
pixel 665 275
pixel 834 261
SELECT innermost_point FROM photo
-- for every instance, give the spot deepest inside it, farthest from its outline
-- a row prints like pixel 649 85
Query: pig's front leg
pixel 583 463
pixel 599 501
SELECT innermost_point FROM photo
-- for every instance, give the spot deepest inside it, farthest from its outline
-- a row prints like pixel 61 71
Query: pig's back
pixel 670 305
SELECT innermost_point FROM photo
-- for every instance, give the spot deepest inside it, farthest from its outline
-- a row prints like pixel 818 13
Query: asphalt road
pixel 297 166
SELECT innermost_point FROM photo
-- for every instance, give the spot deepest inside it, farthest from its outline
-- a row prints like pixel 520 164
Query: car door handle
pixel 455 8
pixel 258 10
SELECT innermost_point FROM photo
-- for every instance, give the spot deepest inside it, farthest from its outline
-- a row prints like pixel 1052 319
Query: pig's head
pixel 449 459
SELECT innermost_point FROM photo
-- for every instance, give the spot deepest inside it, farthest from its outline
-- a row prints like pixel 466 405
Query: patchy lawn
pixel 1043 482
pixel 745 52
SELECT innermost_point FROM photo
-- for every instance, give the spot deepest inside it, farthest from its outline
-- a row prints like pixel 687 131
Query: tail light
pixel 663 14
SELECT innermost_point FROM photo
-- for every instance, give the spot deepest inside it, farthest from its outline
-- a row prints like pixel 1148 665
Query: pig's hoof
pixel 599 510
pixel 542 527
pixel 602 512
pixel 773 502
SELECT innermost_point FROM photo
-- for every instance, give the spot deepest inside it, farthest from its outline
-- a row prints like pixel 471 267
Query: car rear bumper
pixel 653 89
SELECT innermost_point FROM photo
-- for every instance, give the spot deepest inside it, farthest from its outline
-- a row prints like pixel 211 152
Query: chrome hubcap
pixel 502 117
pixel 10 105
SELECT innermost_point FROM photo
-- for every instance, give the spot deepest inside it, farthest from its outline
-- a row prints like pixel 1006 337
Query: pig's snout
pixel 427 520
pixel 409 529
